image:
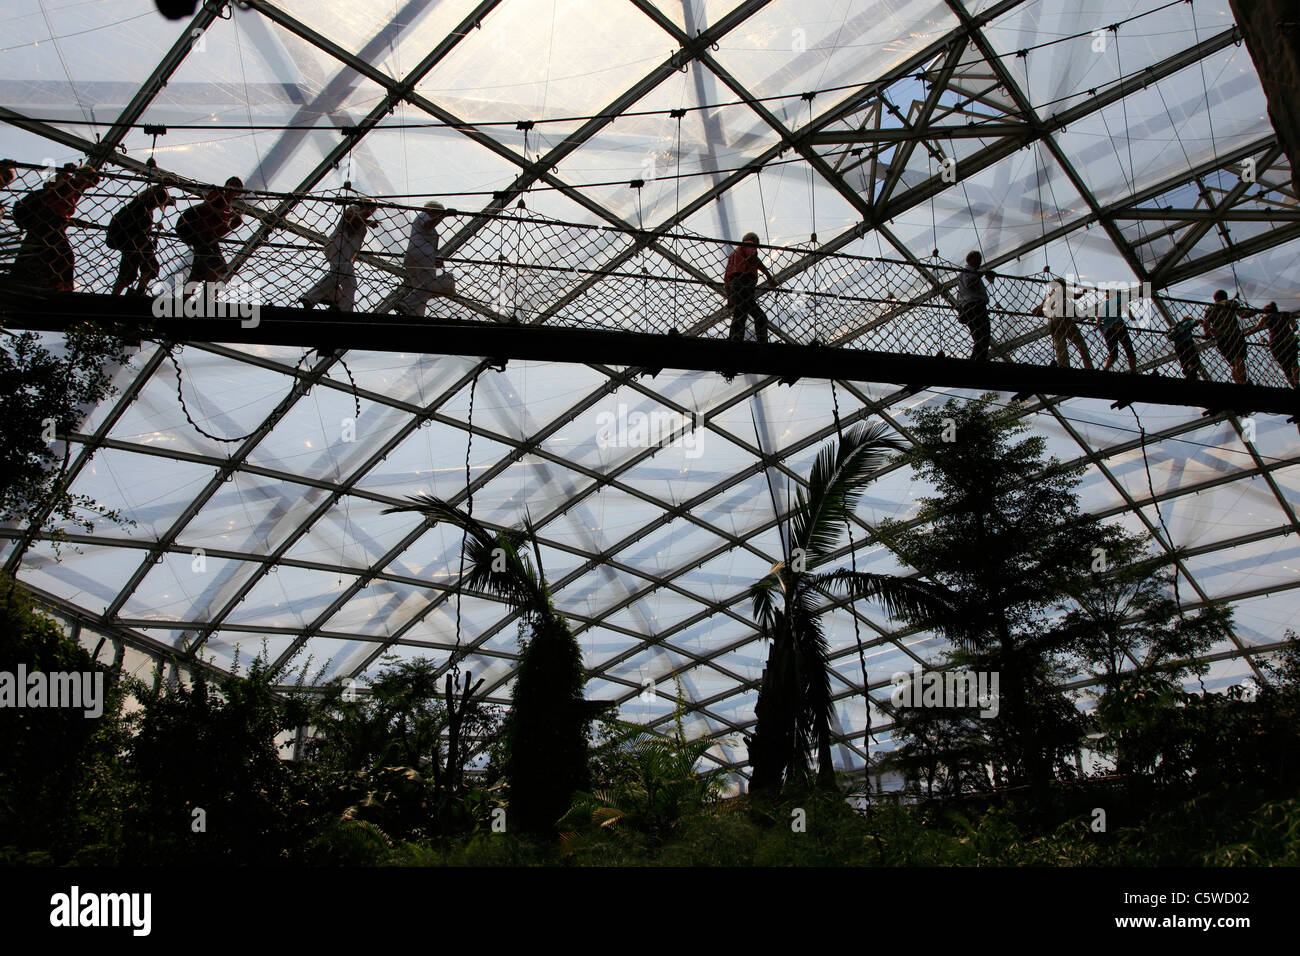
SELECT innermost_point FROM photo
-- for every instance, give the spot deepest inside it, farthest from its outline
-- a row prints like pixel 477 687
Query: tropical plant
pixel 57 760
pixel 210 784
pixel 546 728
pixel 648 781
pixel 1126 625
pixel 45 391
pixel 1004 533
pixel 794 707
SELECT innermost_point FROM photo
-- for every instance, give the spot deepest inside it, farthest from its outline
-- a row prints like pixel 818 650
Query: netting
pixel 516 266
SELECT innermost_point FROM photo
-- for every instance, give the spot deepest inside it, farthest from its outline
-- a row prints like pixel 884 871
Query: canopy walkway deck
pixel 277 325
pixel 538 288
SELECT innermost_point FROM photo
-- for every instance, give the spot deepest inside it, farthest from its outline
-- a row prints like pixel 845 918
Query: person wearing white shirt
pixel 973 305
pixel 1060 323
pixel 339 284
pixel 421 260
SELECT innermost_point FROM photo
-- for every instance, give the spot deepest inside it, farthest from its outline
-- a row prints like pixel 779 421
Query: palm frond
pixel 918 602
pixel 498 562
pixel 763 595
pixel 835 485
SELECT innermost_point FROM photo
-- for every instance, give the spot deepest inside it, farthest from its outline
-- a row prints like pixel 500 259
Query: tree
pixel 547 726
pixel 56 758
pixel 406 731
pixel 794 707
pixel 210 784
pixel 1004 533
pixel 1129 628
pixel 44 395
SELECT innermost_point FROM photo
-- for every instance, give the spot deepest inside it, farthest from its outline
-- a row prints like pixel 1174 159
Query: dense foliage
pixel 420 769
pixel 45 392
pixel 546 731
pixel 794 708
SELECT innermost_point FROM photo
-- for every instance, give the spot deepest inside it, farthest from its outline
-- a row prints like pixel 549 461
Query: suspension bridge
pixel 533 287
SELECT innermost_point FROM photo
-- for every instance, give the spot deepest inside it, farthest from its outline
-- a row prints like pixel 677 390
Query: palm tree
pixel 794 706
pixel 546 728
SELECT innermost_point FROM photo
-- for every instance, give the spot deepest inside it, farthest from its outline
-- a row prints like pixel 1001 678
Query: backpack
pixel 27 211
pixel 116 236
pixel 187 224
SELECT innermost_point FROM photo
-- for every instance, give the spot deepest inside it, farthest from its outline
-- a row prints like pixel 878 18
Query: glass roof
pixel 1073 140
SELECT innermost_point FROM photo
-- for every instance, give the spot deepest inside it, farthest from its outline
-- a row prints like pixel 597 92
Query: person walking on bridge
pixel 1220 323
pixel 740 282
pixel 421 261
pixel 1281 340
pixel 1189 358
pixel 130 231
pixel 973 305
pixel 1111 311
pixel 1059 312
pixel 45 258
pixel 203 226
pixel 339 285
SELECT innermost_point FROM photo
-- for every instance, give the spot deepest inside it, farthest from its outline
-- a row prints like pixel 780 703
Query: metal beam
pixel 168 65
pixel 311 329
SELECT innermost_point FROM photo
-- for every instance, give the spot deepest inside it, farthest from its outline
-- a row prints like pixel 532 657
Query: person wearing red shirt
pixel 45 258
pixel 740 282
pixel 206 224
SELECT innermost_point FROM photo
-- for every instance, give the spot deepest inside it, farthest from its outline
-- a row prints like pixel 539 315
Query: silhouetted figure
pixel 8 173
pixel 421 261
pixel 338 287
pixel 1110 313
pixel 45 258
pixel 740 283
pixel 1059 313
pixel 1220 323
pixel 130 232
pixel 1281 340
pixel 973 305
pixel 1189 357
pixel 202 227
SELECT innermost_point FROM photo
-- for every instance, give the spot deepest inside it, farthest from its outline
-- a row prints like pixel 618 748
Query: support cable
pixel 469 510
pixel 853 610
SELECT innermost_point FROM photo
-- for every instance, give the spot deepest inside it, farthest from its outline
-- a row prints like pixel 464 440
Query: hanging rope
pixel 519 229
pixel 934 225
pixel 1038 175
pixel 1214 146
pixel 170 349
pixel 638 185
pixel 815 271
pixel 677 205
pixel 1155 502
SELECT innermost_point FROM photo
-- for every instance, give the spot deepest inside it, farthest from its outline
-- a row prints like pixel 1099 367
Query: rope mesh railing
pixel 521 266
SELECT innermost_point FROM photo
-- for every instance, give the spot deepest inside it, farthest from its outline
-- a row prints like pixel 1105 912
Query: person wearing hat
pixel 131 232
pixel 339 285
pixel 1281 340
pixel 45 258
pixel 421 261
pixel 740 282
